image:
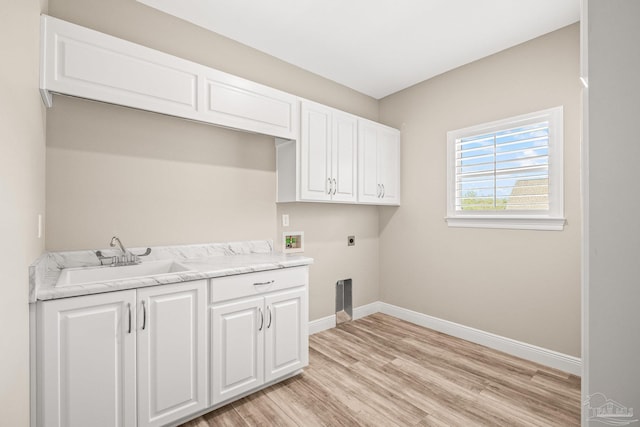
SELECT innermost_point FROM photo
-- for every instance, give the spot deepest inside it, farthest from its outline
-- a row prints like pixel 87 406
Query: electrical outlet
pixel 39 226
pixel 285 220
pixel 351 240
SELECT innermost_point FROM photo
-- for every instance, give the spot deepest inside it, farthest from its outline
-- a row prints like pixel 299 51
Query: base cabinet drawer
pixel 259 283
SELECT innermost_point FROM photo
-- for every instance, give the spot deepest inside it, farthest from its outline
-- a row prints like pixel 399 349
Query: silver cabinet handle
pixel 329 189
pixel 261 319
pixel 144 315
pixel 379 191
pixel 335 186
pixel 384 191
pixel 129 306
pixel 264 283
pixel 269 324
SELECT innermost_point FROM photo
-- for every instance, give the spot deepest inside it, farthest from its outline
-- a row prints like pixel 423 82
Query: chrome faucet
pixel 127 258
pixel 115 241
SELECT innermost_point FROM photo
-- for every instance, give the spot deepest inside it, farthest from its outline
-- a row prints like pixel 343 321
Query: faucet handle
pixel 101 258
pixel 147 252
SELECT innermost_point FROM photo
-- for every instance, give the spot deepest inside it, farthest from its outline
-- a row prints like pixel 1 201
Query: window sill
pixel 546 224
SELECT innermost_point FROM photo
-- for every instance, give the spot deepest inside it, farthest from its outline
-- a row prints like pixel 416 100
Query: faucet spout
pixel 115 241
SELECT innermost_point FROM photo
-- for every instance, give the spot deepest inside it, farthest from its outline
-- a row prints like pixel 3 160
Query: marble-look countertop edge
pixel 187 276
pixel 206 261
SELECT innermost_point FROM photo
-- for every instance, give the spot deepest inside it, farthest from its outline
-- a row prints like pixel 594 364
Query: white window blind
pixel 504 170
pixel 508 173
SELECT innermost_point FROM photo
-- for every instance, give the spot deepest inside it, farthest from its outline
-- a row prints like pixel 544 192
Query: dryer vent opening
pixel 344 302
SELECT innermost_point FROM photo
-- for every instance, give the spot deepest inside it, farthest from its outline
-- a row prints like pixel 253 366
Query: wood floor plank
pixel 260 411
pixel 382 371
pixel 226 416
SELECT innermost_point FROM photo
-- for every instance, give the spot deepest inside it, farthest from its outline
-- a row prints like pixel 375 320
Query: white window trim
pixel 553 219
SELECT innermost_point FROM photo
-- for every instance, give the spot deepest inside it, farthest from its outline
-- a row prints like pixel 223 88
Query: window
pixel 507 174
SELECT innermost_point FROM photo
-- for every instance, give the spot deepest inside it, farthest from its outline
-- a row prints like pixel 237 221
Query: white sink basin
pixel 81 276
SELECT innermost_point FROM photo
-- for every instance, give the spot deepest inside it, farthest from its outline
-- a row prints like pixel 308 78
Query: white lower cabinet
pixel 237 358
pixel 286 333
pixel 140 357
pixel 259 330
pixel 95 351
pixel 87 361
pixel 172 352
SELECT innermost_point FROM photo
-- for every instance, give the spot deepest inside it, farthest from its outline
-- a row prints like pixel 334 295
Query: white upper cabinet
pixel 88 64
pixel 344 157
pixel 316 182
pixel 323 154
pixel 378 164
pixel 327 157
pixel 242 104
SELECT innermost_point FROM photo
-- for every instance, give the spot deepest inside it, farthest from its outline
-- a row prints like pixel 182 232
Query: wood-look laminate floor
pixel 381 371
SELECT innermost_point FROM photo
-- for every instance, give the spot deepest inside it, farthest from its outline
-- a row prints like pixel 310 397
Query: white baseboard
pixel 366 310
pixel 329 322
pixel 322 324
pixel 526 351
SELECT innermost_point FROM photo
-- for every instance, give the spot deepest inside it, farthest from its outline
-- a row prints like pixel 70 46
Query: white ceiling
pixel 377 47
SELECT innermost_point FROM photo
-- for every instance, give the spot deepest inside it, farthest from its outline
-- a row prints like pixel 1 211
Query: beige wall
pixel 21 196
pixel 326 228
pixel 152 179
pixel 519 284
pixel 158 180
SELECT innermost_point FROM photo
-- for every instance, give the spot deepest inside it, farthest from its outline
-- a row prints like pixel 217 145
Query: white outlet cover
pixel 285 220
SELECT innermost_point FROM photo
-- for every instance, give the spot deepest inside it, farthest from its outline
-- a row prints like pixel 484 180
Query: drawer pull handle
pixel 264 283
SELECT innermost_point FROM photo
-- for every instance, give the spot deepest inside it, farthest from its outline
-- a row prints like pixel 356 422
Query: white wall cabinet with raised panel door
pixel 126 358
pixel 339 158
pixel 86 360
pixel 85 63
pixel 328 144
pixel 172 352
pixel 378 164
pixel 259 330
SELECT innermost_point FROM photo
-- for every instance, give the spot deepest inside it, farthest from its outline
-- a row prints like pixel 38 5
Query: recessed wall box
pixel 293 241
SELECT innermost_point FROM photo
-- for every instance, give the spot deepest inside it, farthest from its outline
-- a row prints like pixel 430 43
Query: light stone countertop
pixel 204 260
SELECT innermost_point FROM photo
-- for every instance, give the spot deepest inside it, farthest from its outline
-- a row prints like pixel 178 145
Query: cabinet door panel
pixel 315 151
pixel 286 341
pixel 344 157
pixel 389 165
pixel 88 64
pixel 239 103
pixel 171 352
pixel 237 363
pixel 88 361
pixel 368 184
